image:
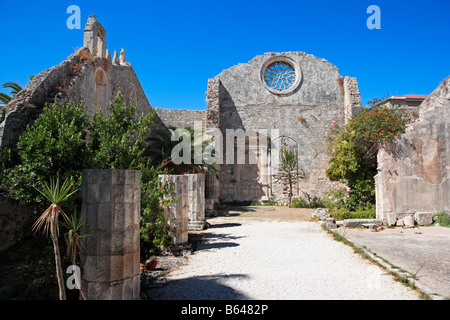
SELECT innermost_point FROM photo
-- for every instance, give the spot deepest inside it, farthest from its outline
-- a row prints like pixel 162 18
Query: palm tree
pixel 48 221
pixel 15 89
pixel 288 170
pixel 161 146
pixel 73 244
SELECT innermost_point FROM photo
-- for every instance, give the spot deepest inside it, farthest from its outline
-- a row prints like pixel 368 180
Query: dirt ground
pixel 271 212
pixel 421 251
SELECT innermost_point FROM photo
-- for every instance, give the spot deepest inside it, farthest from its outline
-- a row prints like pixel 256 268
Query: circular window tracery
pixel 280 75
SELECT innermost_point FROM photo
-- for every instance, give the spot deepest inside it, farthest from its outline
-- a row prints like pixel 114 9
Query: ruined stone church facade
pixel 277 100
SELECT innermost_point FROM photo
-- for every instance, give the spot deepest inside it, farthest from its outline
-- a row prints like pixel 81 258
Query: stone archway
pixel 251 174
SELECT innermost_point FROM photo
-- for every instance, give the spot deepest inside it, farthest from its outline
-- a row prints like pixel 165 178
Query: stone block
pixel 408 221
pixel 118 193
pixel 391 219
pixel 321 214
pixel 131 193
pixel 209 204
pixel 423 218
pixel 118 177
pixel 360 222
pixel 330 223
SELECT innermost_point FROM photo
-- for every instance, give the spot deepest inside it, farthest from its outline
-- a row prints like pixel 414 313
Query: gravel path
pixel 244 258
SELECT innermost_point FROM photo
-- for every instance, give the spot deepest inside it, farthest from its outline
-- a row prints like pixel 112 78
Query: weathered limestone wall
pixel 413 176
pixel 196 201
pixel 352 97
pixel 110 252
pixel 181 118
pixel 13 218
pixel 177 214
pixel 188 213
pixel 237 98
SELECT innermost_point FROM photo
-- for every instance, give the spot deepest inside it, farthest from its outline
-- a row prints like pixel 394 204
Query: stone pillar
pixel 110 252
pixel 352 98
pixel 196 201
pixel 177 214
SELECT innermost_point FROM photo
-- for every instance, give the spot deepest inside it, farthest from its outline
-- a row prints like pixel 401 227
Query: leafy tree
pixel 353 149
pixel 117 141
pixel 55 145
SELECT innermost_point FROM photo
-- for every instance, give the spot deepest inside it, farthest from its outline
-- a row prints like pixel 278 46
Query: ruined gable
pixel 88 76
pixel 413 171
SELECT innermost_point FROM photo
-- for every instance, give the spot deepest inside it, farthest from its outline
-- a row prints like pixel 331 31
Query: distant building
pixel 408 103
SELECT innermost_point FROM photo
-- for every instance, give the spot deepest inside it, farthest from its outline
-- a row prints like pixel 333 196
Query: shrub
pixel 353 149
pixel 312 202
pixel 155 196
pixel 443 219
pixel 299 203
pixel 117 141
pixel 335 198
pixel 367 212
pixel 53 146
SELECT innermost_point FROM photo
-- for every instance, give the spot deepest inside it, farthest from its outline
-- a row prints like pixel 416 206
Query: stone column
pixel 177 214
pixel 352 98
pixel 196 201
pixel 110 252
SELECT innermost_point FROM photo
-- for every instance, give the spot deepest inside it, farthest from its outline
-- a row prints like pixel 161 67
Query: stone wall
pixel 111 248
pixel 179 118
pixel 13 218
pixel 413 171
pixel 238 99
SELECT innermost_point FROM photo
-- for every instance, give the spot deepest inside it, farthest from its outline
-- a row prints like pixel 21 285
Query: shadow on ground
pixel 194 288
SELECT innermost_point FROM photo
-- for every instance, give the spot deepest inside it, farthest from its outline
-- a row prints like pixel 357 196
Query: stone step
pixel 360 222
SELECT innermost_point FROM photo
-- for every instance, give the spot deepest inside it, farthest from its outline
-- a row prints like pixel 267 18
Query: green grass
pixel 443 219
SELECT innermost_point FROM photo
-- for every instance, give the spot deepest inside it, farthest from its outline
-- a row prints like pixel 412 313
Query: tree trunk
pixel 59 273
pixel 74 262
pixel 290 190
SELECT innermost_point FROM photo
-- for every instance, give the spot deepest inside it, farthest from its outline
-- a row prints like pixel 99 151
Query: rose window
pixel 279 76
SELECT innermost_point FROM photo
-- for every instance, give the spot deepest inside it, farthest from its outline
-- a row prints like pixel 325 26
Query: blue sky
pixel 176 46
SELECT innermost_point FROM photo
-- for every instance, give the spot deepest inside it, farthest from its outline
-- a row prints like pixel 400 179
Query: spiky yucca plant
pixel 289 170
pixel 74 225
pixel 48 221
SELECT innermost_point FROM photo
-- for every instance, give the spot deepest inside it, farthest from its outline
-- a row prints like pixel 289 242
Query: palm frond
pixel 4 98
pixel 15 87
pixel 55 193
